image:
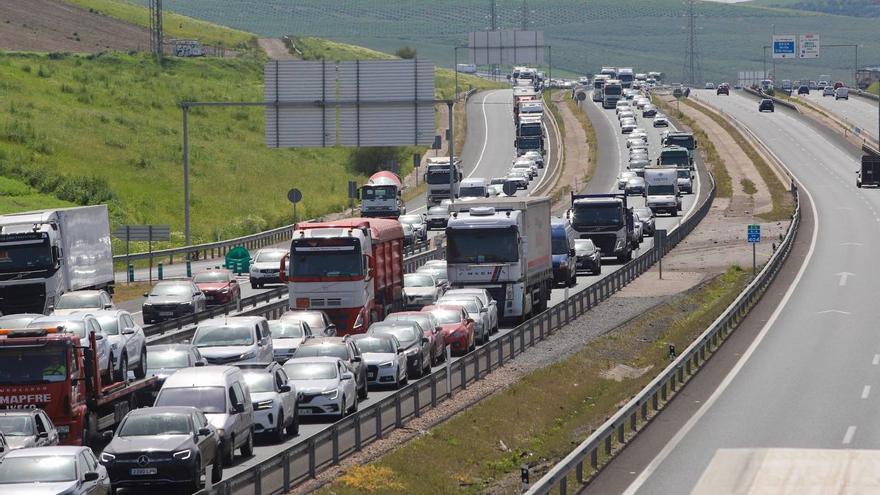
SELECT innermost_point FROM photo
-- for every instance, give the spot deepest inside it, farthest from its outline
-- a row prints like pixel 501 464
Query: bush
pixel 407 52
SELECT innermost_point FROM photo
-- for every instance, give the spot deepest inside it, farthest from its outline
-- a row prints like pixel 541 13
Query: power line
pixel 156 33
pixel 691 69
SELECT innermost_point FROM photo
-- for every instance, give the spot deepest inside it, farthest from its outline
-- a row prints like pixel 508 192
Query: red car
pixel 219 286
pixel 457 325
pixel 839 84
pixel 433 331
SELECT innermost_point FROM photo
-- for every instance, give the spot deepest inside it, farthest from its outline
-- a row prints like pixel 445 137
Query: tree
pixel 407 52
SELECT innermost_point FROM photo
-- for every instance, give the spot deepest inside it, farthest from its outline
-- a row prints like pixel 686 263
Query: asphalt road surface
pixel 857 111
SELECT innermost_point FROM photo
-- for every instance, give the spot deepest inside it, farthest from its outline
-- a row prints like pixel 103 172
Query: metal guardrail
pixel 778 101
pixel 302 461
pixel 630 419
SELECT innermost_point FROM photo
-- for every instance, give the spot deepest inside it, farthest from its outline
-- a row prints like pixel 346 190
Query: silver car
pixel 287 335
pixel 384 358
pixel 487 300
pixel 58 470
pixel 437 271
pixel 235 339
pixel 82 300
pixel 623 178
pixel 325 384
pixel 165 359
pixel 82 325
pixel 420 289
pixel 274 399
pixel 128 344
pixel 266 267
pixel 419 225
pixel 24 428
pixel 437 217
pixel 536 157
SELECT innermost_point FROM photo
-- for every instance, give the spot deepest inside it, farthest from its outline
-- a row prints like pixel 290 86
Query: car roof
pixel 57 450
pixel 175 282
pixel 107 312
pixel 324 341
pixel 17 412
pixel 231 321
pixel 149 411
pixel 314 359
pixel 203 376
pixel 80 316
pixel 170 348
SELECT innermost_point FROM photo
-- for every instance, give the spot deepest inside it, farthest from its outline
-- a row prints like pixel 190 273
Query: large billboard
pixel 506 47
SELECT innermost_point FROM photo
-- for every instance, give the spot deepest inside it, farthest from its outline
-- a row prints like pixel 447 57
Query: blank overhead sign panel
pixel 506 47
pixel 356 103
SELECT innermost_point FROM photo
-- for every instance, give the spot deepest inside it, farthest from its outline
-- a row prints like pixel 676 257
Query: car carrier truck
pixel 352 269
pixel 44 254
pixel 503 245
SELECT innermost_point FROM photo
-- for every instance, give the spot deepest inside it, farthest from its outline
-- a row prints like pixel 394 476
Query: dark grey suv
pixel 342 348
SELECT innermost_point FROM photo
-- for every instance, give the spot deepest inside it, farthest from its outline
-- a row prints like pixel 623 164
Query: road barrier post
pixel 161 272
pixel 131 273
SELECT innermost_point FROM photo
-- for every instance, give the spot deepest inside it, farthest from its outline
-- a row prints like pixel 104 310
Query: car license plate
pixel 305 411
pixel 371 376
pixel 166 313
pixel 143 471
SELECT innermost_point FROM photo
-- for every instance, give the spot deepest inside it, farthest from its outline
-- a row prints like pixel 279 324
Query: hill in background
pixel 854 8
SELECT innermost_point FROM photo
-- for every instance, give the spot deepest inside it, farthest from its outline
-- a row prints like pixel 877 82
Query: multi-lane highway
pixel 856 111
pixel 810 379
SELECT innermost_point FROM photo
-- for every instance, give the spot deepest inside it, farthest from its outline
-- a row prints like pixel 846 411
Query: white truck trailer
pixel 503 245
pixel 44 254
pixel 661 190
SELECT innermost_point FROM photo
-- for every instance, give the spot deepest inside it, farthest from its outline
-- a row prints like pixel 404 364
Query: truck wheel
pixel 90 429
pixel 141 371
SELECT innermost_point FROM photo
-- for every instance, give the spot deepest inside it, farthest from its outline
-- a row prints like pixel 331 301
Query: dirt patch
pixel 45 25
pixel 275 49
pixel 576 167
pixel 623 372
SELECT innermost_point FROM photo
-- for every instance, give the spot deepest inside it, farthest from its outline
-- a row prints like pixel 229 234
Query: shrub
pixel 407 52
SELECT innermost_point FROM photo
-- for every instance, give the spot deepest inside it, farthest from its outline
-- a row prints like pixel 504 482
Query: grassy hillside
pixel 584 34
pixel 854 8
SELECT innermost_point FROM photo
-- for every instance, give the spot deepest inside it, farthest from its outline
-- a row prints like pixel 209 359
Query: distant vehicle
pixel 25 428
pixel 172 299
pixel 685 180
pixel 660 121
pixel 458 327
pixel 415 346
pixel 474 188
pixel 318 321
pixel 82 300
pixel 839 84
pixel 437 176
pixel 431 328
pixel 181 446
pixel 275 400
pixel 588 256
pixel 219 286
pixel 813 85
pixel 635 186
pixel 420 289
pixel 409 234
pixel 439 273
pixel 661 190
pixel 234 339
pixel 766 105
pixel 627 126
pixel 649 111
pixel 637 165
pixel 338 347
pixel 803 90
pixel 623 178
pixel 266 267
pixel 622 105
pixel 562 250
pixel 53 470
pixel 385 359
pixel 683 139
pixel 868 174
pixel 723 89
pixel 128 344
pixel 437 217
pixel 786 85
pixel 466 68
pixel 521 177
pixel 607 220
pixel 165 359
pixel 828 91
pixel 841 93
pixel 535 156
pixel 822 84
pixel 612 92
pixel 710 85
pixel 476 309
pixel 419 226
pixel 221 393
pixel 287 336
pixel 326 385
pixel 50 252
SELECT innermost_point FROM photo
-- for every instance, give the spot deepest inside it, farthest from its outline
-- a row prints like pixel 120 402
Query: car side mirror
pixel 127 331
pixel 98 336
pixel 425 340
pixel 400 350
pixel 146 294
pixel 356 359
pixel 45 434
pixel 285 388
pixel 348 376
pixel 108 306
pixel 199 364
pixel 571 252
pixel 239 408
pixel 203 432
pixel 90 476
pixel 108 435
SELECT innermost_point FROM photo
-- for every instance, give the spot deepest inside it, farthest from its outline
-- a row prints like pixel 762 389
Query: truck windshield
pixel 674 160
pixel 683 141
pixel 612 90
pixel 598 215
pixel 25 257
pixel 207 399
pixel 472 192
pixel 560 245
pixel 482 245
pixel 378 193
pixel 440 177
pixel 661 190
pixel 530 130
pixel 25 365
pixel 326 261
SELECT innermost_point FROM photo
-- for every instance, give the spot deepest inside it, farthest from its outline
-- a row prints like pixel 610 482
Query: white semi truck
pixel 611 93
pixel 44 254
pixel 437 175
pixel 503 245
pixel 662 194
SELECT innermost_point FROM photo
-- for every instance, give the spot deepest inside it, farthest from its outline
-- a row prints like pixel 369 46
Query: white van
pixel 474 188
pixel 222 394
pixel 661 190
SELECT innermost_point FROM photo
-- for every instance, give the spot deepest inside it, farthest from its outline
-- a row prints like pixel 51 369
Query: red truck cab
pixel 48 368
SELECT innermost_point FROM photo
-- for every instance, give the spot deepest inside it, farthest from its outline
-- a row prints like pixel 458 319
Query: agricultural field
pixel 584 35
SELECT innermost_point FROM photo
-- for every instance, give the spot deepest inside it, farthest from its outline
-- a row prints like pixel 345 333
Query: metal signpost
pixel 294 196
pixel 352 193
pixel 148 233
pixel 753 232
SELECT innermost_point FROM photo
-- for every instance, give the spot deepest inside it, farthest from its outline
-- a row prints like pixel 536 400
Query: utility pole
pixel 691 56
pixel 156 33
pixel 493 25
pixel 525 15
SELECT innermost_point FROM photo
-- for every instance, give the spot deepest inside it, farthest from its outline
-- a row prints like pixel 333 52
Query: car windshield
pixel 223 335
pixel 269 256
pixel 410 219
pixel 211 277
pixel 171 290
pixel 384 346
pixel 37 469
pixel 286 329
pixel 417 280
pixel 644 212
pixel 148 425
pixel 560 244
pixel 469 245
pixel 447 316
pixel 405 334
pixel 167 359
pixel 206 399
pixel 30 365
pixel 315 321
pixel 438 211
pixel 585 246
pixel 597 215
pixel 17 426
pixel 109 324
pixel 260 381
pixel 323 350
pixel 309 371
pixel 72 300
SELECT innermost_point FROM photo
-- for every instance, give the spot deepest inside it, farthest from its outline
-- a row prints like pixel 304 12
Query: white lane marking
pixel 486 138
pixel 844 276
pixel 866 391
pixel 848 436
pixel 850 243
pixel 827 311
pixel 876 360
pixel 681 433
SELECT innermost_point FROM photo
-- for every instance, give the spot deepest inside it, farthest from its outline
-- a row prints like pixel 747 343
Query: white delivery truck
pixel 503 245
pixel 661 190
pixel 44 254
pixel 437 175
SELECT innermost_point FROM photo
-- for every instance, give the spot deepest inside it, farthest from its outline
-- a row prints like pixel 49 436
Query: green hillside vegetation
pixel 854 8
pixel 584 34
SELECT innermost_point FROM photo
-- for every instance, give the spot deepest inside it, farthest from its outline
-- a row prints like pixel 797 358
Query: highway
pixel 857 111
pixel 810 378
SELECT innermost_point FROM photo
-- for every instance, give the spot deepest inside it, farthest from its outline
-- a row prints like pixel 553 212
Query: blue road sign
pixel 754 233
pixel 784 46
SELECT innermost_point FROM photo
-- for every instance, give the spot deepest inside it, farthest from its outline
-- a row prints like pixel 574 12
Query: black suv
pixel 342 348
pixel 766 105
pixel 803 89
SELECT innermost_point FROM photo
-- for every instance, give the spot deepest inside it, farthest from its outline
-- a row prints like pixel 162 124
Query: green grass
pixel 590 132
pixel 874 88
pixel 16 196
pixel 175 25
pixel 541 417
pixel 854 8
pixel 584 35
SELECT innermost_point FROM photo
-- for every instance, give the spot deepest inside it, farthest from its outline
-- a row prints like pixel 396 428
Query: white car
pixel 627 126
pixel 82 324
pixel 64 470
pixel 274 400
pixel 661 121
pixel 325 385
pixel 536 157
pixel 487 300
pixel 82 300
pixel 234 339
pixel 266 267
pixel 625 114
pixel 420 289
pixel 287 335
pixel 128 344
pixel 623 178
pixel 385 360
pixel 621 105
pixel 419 225
pixel 526 165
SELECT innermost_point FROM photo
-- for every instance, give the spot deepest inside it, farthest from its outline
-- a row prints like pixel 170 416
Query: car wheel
pixel 343 408
pixel 279 428
pixel 121 374
pixel 196 483
pixel 217 468
pixel 362 394
pixel 293 428
pixel 427 369
pixel 141 371
pixel 253 285
pixel 247 449
pixel 229 454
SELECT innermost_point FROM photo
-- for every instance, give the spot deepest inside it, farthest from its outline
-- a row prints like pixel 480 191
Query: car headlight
pixel 248 355
pixel 265 404
pixel 618 244
pixel 107 457
pixel 563 264
pixel 412 351
pixel 182 455
pixel 148 305
pixel 387 365
pixel 187 303
pixel 331 394
pixel 359 321
pixel 221 432
pixel 224 291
